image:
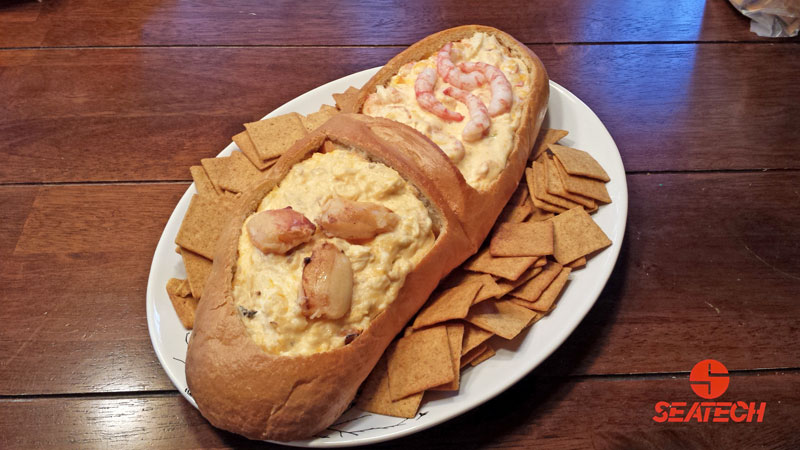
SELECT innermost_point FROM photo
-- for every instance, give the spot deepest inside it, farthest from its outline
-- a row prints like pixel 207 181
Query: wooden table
pixel 105 105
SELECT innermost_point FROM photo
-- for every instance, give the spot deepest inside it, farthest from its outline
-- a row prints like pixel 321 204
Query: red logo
pixel 709 379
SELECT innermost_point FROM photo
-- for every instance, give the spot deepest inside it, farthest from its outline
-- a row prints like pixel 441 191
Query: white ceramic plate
pixel 514 359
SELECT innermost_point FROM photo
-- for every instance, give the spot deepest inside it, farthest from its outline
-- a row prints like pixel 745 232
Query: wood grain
pixel 707 266
pixel 74 267
pixel 153 22
pixel 146 114
pixel 149 114
pixel 538 412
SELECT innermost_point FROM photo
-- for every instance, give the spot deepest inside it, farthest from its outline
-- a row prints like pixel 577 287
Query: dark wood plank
pixel 152 22
pixel 16 203
pixel 74 265
pixel 689 107
pixel 538 412
pixel 708 270
pixel 133 114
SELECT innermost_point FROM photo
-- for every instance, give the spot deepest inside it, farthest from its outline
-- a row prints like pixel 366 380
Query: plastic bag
pixel 771 18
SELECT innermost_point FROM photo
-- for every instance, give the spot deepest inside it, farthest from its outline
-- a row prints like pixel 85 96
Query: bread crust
pixel 474 207
pixel 241 388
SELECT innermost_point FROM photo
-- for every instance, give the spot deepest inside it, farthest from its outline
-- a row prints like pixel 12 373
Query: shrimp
pixel 451 146
pixel 501 88
pixel 279 230
pixel 355 221
pixel 327 287
pixel 478 114
pixel 423 88
pixel 453 75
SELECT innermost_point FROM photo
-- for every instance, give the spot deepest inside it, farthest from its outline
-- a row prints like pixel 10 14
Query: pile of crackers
pixel 220 181
pixel 543 234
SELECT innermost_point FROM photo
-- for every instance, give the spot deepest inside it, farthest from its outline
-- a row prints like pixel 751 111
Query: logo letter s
pixel 661 412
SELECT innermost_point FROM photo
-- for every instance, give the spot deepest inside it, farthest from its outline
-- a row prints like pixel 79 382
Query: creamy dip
pixel 482 160
pixel 266 286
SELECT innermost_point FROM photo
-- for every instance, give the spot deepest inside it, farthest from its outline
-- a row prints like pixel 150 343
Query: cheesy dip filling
pixel 271 288
pixel 466 98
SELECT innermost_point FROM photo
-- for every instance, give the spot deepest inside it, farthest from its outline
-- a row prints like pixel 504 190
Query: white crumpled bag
pixel 771 18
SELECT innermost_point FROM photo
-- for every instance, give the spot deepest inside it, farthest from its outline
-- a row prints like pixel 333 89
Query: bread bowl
pixel 290 378
pixel 239 385
pixel 484 198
